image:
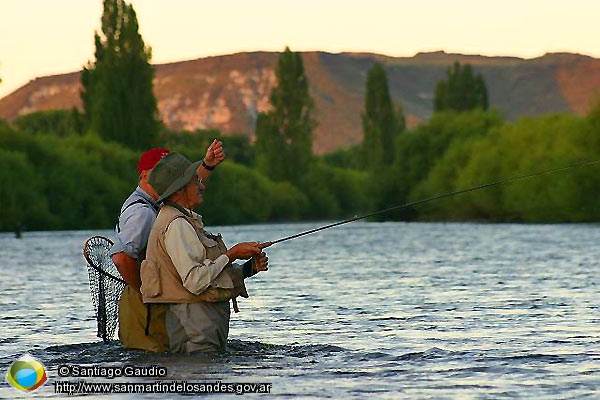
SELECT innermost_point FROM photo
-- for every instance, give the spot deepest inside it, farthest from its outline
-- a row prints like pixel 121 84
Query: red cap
pixel 150 158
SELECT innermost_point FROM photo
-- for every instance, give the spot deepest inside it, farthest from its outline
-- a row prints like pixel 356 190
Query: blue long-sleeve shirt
pixel 138 213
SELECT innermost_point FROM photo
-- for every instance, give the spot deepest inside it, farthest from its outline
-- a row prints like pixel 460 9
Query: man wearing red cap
pixel 138 213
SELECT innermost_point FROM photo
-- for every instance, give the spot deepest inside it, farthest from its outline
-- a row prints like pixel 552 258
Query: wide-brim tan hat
pixel 172 172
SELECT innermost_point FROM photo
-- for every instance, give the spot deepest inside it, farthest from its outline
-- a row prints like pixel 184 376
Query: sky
pixel 43 37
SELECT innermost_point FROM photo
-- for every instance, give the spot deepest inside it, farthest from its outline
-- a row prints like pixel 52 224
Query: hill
pixel 227 92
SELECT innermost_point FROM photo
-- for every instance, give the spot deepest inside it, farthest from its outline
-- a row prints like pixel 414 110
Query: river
pixel 383 310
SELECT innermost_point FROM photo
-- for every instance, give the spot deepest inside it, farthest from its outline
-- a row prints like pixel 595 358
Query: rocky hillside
pixel 227 92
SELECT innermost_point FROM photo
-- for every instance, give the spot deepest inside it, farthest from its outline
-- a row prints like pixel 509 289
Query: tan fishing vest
pixel 161 282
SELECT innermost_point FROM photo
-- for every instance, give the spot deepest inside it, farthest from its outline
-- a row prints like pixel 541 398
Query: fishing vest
pixel 161 282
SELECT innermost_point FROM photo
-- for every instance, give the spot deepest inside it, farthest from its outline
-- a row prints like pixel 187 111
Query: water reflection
pixel 424 310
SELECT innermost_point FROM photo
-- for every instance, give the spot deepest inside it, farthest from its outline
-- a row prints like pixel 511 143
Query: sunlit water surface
pixel 386 310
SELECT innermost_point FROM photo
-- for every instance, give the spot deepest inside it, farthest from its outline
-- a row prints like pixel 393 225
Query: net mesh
pixel 106 285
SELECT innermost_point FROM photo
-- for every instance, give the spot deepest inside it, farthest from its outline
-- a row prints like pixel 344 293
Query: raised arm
pixel 214 156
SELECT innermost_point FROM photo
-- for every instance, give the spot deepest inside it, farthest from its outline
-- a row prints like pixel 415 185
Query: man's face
pixel 195 192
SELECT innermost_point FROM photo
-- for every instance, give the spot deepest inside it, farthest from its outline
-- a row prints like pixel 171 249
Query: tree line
pixel 71 170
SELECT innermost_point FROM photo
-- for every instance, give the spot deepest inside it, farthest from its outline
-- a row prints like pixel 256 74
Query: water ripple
pixel 368 309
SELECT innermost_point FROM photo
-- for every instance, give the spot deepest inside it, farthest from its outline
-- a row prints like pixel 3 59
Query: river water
pixel 384 310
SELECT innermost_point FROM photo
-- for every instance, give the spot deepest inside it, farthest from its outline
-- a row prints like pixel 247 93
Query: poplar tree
pixel 117 95
pixel 380 123
pixel 284 135
pixel 461 91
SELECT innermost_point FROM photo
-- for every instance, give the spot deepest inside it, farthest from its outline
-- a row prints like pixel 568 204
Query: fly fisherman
pixel 188 270
pixel 133 227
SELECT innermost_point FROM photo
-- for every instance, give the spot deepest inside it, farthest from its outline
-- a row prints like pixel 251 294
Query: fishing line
pixel 471 189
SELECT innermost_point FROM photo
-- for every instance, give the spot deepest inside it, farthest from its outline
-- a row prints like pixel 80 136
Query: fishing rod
pixel 427 200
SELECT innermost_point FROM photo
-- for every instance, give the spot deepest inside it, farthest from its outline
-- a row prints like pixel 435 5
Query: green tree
pixel 348 158
pixel 379 120
pixel 117 95
pixel 284 134
pixel 254 198
pixel 416 172
pixel 22 198
pixel 56 122
pixel 461 91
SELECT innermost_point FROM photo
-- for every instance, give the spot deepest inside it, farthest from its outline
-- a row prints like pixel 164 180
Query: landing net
pixel 106 285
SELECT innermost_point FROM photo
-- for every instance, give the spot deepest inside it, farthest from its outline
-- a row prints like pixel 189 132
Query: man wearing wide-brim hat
pixel 132 230
pixel 187 268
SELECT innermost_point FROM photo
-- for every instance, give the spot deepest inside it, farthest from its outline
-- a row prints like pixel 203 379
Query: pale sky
pixel 47 37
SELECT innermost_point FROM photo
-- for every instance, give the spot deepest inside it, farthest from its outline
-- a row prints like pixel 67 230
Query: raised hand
pixel 214 154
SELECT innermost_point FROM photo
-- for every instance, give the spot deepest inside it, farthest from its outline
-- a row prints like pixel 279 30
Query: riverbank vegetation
pixel 64 179
pixel 70 169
